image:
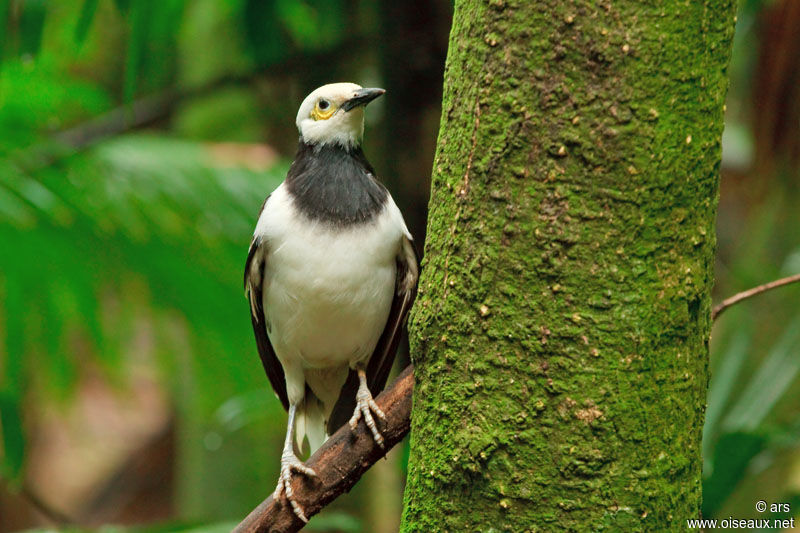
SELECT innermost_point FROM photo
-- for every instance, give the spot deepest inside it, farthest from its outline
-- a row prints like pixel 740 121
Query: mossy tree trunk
pixel 560 335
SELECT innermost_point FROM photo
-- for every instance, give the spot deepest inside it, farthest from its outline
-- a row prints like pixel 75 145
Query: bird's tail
pixel 310 422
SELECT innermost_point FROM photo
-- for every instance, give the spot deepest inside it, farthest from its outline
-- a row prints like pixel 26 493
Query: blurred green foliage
pixel 751 439
pixel 115 210
pixel 106 224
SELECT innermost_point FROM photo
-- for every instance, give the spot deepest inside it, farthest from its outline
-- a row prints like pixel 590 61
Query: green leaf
pixel 723 382
pixel 13 436
pixel 733 453
pixel 4 4
pixel 31 24
pixel 300 20
pixel 85 20
pixel 137 229
pixel 123 5
pixel 141 13
pixel 770 382
pixel 14 302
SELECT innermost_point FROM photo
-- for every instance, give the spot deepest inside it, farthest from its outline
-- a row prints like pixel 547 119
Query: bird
pixel 330 276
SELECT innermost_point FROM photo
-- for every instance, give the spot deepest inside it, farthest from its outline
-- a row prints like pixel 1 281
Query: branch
pixel 157 107
pixel 744 295
pixel 153 108
pixel 345 456
pixel 339 463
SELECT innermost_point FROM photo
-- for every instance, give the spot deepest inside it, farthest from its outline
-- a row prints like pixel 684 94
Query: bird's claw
pixel 289 464
pixel 365 406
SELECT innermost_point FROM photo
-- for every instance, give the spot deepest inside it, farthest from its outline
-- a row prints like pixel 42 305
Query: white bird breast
pixel 327 291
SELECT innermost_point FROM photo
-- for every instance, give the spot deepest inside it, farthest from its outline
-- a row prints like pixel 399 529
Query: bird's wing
pixel 380 363
pixel 253 289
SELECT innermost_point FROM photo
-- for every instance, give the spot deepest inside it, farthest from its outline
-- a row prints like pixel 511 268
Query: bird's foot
pixel 365 406
pixel 289 463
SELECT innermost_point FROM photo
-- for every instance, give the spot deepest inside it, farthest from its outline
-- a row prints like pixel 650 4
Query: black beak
pixel 362 97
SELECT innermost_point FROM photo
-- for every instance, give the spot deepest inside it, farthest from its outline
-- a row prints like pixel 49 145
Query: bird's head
pixel 334 114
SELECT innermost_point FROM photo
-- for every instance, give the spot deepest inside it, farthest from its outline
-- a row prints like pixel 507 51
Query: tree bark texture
pixel 560 336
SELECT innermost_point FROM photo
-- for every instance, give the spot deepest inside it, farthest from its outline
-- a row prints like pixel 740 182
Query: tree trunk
pixel 561 332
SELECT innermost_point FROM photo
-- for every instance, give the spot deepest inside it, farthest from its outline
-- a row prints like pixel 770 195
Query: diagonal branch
pixel 344 458
pixel 744 295
pixel 339 463
pixel 151 109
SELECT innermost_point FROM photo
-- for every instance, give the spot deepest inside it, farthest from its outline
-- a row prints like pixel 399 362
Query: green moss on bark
pixel 560 335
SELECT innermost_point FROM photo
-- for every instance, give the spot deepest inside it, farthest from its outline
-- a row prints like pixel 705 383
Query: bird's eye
pixel 323 110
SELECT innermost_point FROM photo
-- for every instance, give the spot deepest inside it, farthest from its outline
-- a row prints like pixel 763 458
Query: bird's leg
pixel 365 406
pixel 289 463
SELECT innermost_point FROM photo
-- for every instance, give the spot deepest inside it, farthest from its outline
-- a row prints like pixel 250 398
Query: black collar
pixel 332 184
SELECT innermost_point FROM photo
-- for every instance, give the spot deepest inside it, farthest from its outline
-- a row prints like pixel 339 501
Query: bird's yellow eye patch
pixel 323 109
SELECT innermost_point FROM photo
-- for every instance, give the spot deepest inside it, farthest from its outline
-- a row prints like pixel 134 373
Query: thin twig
pixel 339 463
pixel 744 295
